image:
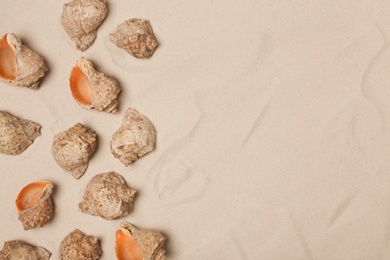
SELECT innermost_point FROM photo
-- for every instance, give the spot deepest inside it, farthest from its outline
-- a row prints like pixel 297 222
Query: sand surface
pixel 272 117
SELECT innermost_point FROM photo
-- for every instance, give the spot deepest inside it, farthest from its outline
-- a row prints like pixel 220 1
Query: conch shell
pixel 78 245
pixel 135 138
pixel 19 65
pixel 93 89
pixel 20 250
pixel 139 244
pixel 73 148
pixel 16 134
pixel 107 196
pixel 136 37
pixel 81 19
pixel 34 205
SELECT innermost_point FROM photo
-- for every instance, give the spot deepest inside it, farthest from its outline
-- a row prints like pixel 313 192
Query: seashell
pixel 136 37
pixel 19 65
pixel 16 134
pixel 73 148
pixel 81 19
pixel 79 246
pixel 139 244
pixel 107 196
pixel 135 138
pixel 34 204
pixel 20 250
pixel 93 89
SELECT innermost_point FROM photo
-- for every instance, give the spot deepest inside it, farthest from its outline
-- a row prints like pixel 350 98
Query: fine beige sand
pixel 273 122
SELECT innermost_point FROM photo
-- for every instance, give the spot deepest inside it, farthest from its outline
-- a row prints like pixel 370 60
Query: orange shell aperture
pixel 126 247
pixel 79 85
pixel 8 65
pixel 30 195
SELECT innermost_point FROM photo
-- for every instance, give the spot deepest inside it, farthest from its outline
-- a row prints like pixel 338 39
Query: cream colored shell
pixel 73 148
pixel 20 250
pixel 16 134
pixel 104 88
pixel 81 19
pixel 41 212
pixel 150 242
pixel 79 246
pixel 136 37
pixel 135 138
pixel 107 196
pixel 30 65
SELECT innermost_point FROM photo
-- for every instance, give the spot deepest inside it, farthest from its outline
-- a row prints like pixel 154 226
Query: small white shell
pixel 93 89
pixel 136 37
pixel 20 250
pixel 107 196
pixel 73 148
pixel 139 244
pixel 16 134
pixel 19 65
pixel 81 19
pixel 135 138
pixel 79 246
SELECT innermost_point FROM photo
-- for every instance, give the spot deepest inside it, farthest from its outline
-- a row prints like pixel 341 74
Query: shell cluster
pixel 73 148
pixel 19 250
pixel 135 138
pixel 16 134
pixel 107 196
pixel 78 245
pixel 20 65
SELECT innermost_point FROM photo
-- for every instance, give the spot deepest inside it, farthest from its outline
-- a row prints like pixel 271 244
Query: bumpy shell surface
pixel 150 243
pixel 79 246
pixel 93 89
pixel 81 19
pixel 16 134
pixel 20 250
pixel 136 37
pixel 107 196
pixel 34 205
pixel 73 148
pixel 135 138
pixel 19 65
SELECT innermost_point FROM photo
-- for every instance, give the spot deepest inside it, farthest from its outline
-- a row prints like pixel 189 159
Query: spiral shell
pixel 19 65
pixel 81 19
pixel 136 37
pixel 73 148
pixel 20 250
pixel 16 134
pixel 139 244
pixel 107 196
pixel 77 246
pixel 93 89
pixel 135 138
pixel 34 205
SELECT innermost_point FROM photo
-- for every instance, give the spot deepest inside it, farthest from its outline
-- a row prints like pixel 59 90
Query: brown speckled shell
pixel 105 89
pixel 20 250
pixel 135 138
pixel 41 213
pixel 79 246
pixel 107 196
pixel 136 37
pixel 16 134
pixel 151 242
pixel 31 66
pixel 81 19
pixel 73 148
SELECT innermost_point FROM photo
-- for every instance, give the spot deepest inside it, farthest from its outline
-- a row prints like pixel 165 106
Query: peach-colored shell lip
pixel 126 246
pixel 8 65
pixel 30 195
pixel 79 85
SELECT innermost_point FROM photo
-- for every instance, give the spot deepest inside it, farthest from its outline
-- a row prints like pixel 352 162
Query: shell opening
pixel 79 85
pixel 126 247
pixel 30 195
pixel 8 65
